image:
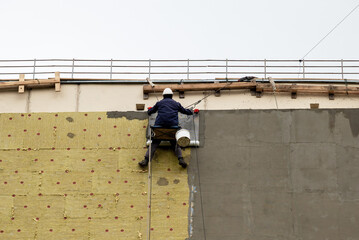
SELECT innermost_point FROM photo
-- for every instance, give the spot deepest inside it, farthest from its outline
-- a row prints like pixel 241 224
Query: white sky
pixel 177 29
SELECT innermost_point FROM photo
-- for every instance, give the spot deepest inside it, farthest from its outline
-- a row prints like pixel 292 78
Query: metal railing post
pixel 303 69
pixel 149 69
pixel 342 67
pixel 265 68
pixel 111 70
pixel 227 69
pixel 73 67
pixel 33 74
pixel 187 69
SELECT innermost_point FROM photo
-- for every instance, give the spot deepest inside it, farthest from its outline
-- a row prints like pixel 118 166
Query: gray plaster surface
pixel 275 175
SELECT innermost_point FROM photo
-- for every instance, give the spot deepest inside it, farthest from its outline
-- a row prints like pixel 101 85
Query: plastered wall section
pixel 75 176
pixel 124 97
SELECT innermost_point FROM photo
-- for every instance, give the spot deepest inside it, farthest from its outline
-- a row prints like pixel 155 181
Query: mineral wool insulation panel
pixel 75 176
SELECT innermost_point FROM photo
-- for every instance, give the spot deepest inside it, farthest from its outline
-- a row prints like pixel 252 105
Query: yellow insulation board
pixel 75 176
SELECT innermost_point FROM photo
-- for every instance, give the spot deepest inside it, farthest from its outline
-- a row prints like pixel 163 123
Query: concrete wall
pixel 124 97
pixel 276 175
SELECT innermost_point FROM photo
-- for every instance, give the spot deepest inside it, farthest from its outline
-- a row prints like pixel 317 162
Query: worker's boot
pixel 182 162
pixel 144 162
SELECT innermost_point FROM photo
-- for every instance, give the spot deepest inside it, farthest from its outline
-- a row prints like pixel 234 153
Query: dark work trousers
pixel 155 143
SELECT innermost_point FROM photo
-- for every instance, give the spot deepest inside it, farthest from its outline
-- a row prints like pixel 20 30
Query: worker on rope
pixel 167 116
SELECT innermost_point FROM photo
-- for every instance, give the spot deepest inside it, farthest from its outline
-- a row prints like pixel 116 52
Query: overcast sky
pixel 169 29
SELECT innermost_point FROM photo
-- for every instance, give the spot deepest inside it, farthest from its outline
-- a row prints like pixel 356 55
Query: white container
pixel 183 137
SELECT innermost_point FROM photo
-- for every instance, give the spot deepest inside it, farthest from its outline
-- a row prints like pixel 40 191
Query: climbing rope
pixel 199 180
pixel 149 192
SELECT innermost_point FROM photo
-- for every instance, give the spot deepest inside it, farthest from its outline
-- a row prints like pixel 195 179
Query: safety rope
pixel 149 192
pixel 199 180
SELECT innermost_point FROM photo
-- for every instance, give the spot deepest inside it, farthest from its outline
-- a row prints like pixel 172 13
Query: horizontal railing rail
pixel 180 70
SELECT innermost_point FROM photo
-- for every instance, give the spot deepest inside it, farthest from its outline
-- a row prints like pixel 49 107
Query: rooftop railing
pixel 180 70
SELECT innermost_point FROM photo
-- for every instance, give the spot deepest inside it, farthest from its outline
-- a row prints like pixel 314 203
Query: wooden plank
pixel 57 84
pixel 21 87
pixel 199 87
pixel 32 83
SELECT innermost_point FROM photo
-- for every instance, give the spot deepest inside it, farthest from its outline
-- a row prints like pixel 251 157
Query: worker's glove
pixel 149 108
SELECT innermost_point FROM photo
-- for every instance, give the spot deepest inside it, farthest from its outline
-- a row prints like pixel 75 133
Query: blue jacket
pixel 168 112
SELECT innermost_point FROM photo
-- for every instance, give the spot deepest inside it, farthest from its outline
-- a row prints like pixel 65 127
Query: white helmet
pixel 167 91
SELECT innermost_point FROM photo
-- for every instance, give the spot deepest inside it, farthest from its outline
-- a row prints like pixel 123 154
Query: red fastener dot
pixel 117 194
pixel 65 218
pixel 171 229
pixel 58 183
pixel 99 160
pixel 109 182
pixel 83 148
pixel 36 159
pixel 55 127
pixel 13 195
pixel 73 229
pixel 131 206
pixel 10 118
pixel 168 193
pixel 5 182
pixel 53 148
pixel 83 159
pixel 118 148
pixel 141 217
pixel 40 194
pixel 85 114
pixel 84 129
pixel 110 148
pixel 41 171
pixel 106 230
pixel 116 217
pixel 92 171
pixel 29 149
pixel 129 135
pixel 122 230
pixel 99 135
pixel 168 169
pixel 184 204
pixel 25 130
pixel 118 170
pixel 73 182
pixel 99 118
pixel 168 216
pixel 99 205
pixel 39 118
pixel 50 230
pixel 0 160
pixel 51 160
pixel 1 231
pixel 144 126
pixel 48 206
pixel 56 115
pixel 38 134
pixel 66 171
pixel 115 126
pixel 19 230
pixel 17 149
pixel 91 194
pixel 25 206
pixel 152 229
pixel 125 181
pixel 65 195
pixel 29 115
pixel 12 219
pixel 9 135
pixel 22 182
pixel 68 149
pixel 89 218
pixel 85 206
pixel 22 115
pixel 37 219
pixel 133 159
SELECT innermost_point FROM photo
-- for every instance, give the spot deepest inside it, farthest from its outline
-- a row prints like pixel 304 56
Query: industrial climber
pixel 167 116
